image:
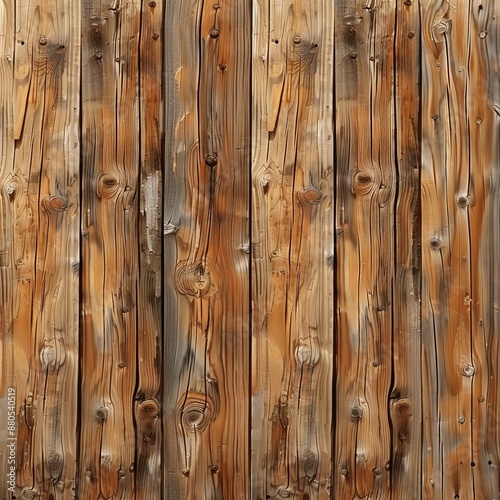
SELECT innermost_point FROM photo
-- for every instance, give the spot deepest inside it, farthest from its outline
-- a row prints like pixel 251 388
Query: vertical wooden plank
pixel 482 202
pixel 110 249
pixel 9 403
pixel 446 259
pixel 365 214
pixel 43 192
pixel 292 249
pixel 406 392
pixel 149 343
pixel 207 246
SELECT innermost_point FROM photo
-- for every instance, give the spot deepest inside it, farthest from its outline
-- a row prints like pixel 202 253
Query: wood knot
pixel 43 40
pixel 211 160
pixel 214 33
pixel 101 414
pixel 149 408
pixel 468 370
pixel 214 469
pixel 107 185
pixel 436 243
pixel 356 412
pixel 193 279
pixel 56 203
pixel 441 28
pixel 296 39
pixel 196 411
pixel 344 472
pixel 307 352
pixel 463 201
pixel 362 182
pixel 52 354
pixel 310 196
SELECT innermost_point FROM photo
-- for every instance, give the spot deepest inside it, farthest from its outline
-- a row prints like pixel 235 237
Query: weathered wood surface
pixel 292 249
pixel 40 213
pixel 249 249
pixel 207 230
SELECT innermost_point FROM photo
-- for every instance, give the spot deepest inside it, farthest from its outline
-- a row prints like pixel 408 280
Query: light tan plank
pixel 9 403
pixel 46 208
pixel 446 271
pixel 292 249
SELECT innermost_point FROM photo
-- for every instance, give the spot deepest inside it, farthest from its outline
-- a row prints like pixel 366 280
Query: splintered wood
pixel 249 249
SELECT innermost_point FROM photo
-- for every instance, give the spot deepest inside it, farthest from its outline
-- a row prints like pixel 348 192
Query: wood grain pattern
pixel 446 252
pixel 43 190
pixel 110 248
pixel 207 388
pixel 365 212
pixel 147 411
pixel 249 249
pixel 405 400
pixel 8 281
pixel 292 249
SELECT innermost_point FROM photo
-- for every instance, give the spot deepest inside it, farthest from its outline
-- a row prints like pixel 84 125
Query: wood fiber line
pixel 147 411
pixel 405 403
pixel 40 197
pixel 448 348
pixel 110 256
pixel 9 286
pixel 292 249
pixel 365 267
pixel 206 250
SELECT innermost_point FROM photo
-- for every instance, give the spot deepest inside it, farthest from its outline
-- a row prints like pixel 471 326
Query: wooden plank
pixel 446 258
pixel 110 250
pixel 365 214
pixel 206 250
pixel 406 392
pixel 9 403
pixel 149 343
pixel 292 249
pixel 44 194
pixel 481 201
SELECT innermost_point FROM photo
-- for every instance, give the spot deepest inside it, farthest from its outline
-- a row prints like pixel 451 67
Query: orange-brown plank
pixel 406 393
pixel 207 250
pixel 365 212
pixel 449 366
pixel 149 342
pixel 110 248
pixel 292 249
pixel 43 189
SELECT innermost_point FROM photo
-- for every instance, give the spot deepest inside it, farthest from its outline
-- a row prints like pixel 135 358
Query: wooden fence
pixel 250 249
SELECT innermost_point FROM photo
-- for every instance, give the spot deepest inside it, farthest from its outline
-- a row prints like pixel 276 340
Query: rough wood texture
pixel 8 283
pixel 405 399
pixel 42 200
pixel 149 343
pixel 448 347
pixel 249 249
pixel 292 249
pixel 207 229
pixel 365 216
pixel 110 251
